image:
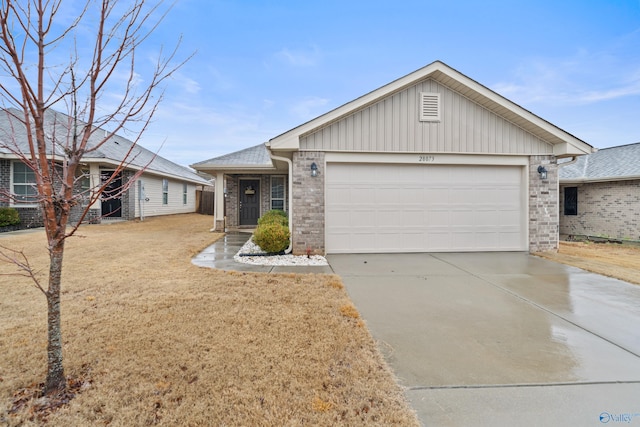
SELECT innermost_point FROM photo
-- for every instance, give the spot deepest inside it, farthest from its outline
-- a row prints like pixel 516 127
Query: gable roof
pixel 564 144
pixel 608 164
pixel 13 132
pixel 256 156
pixel 254 159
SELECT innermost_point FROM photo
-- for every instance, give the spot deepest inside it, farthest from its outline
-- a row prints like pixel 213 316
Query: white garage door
pixel 424 208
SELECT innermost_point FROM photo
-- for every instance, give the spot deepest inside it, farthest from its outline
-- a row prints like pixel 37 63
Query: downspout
pixel 290 182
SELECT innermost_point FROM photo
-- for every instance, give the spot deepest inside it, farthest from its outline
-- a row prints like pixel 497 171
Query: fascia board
pixel 568 150
pixel 291 140
pixel 599 179
pixel 176 177
pixel 574 145
pixel 235 169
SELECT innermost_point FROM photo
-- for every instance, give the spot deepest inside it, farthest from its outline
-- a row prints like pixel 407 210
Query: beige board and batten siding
pixel 153 191
pixel 392 125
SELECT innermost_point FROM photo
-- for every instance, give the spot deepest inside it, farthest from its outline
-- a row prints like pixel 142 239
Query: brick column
pixel 231 203
pixel 5 179
pixel 543 205
pixel 308 203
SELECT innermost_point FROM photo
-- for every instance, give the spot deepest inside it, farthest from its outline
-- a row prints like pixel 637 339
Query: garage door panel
pixel 424 208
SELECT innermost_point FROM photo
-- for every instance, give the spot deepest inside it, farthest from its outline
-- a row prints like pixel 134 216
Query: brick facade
pixel 128 198
pixel 5 178
pixel 232 203
pixel 308 225
pixel 543 205
pixel 32 216
pixel 605 209
pixel 308 203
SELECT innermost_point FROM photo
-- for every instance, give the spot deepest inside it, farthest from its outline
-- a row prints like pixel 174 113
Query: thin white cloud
pixel 585 78
pixel 309 108
pixel 186 84
pixel 299 58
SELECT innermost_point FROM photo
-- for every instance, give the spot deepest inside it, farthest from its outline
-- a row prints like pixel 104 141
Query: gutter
pixel 570 162
pixel 290 182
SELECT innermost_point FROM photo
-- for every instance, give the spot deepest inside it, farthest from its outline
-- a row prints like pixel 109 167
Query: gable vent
pixel 429 107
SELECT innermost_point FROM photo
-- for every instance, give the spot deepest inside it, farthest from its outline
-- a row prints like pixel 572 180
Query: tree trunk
pixel 56 381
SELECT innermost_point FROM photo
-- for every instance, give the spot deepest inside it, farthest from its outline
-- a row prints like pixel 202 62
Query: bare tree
pixel 98 57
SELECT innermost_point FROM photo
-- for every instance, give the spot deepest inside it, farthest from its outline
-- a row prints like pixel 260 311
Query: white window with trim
pixel 278 193
pixel 165 191
pixel 85 187
pixel 23 184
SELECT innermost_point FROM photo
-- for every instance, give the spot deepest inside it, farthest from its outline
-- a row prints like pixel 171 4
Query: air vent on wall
pixel 429 107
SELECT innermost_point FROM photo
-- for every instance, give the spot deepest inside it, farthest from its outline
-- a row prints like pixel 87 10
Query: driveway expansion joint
pixel 486 279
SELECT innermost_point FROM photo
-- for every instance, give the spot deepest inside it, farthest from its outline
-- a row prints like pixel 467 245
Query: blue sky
pixel 264 67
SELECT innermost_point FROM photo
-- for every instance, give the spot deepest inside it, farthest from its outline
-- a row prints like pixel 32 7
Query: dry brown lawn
pixel 609 259
pixel 155 340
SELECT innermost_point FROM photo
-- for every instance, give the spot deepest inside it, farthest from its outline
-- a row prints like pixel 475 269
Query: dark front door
pixel 111 197
pixel 249 201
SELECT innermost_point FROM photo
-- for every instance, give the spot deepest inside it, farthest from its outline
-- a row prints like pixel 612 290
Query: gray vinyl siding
pixel 392 125
pixel 153 191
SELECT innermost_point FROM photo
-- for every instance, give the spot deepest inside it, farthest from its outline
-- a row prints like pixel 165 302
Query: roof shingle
pixel 622 162
pixel 13 134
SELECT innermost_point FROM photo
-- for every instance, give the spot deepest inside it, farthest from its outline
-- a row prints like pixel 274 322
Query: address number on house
pixel 426 159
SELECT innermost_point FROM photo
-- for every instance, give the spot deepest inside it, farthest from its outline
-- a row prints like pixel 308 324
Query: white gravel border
pixel 252 248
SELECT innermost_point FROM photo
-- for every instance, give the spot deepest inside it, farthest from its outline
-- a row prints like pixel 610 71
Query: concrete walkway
pixel 502 338
pixel 220 256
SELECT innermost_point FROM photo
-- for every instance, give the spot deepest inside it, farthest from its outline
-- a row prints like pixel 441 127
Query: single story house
pixel 431 162
pixel 600 194
pixel 163 188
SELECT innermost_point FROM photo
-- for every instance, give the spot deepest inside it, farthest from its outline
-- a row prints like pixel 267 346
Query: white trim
pixel 12 202
pixel 165 191
pixel 427 158
pixel 185 193
pixel 284 198
pixel 439 71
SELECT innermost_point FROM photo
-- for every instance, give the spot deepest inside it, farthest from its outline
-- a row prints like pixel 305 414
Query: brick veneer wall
pixel 605 209
pixel 29 216
pixel 32 216
pixel 128 198
pixel 308 203
pixel 231 203
pixel 265 194
pixel 5 178
pixel 543 205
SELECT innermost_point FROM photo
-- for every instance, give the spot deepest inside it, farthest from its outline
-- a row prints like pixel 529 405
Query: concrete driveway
pixel 502 338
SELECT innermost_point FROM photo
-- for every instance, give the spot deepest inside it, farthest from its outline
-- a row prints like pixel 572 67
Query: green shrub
pixel 272 237
pixel 274 215
pixel 9 216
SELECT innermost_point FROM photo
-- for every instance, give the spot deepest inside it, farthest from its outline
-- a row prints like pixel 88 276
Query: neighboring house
pixel 163 188
pixel 600 194
pixel 432 162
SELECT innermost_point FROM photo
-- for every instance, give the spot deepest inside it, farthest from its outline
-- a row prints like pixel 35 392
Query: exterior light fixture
pixel 542 171
pixel 314 169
